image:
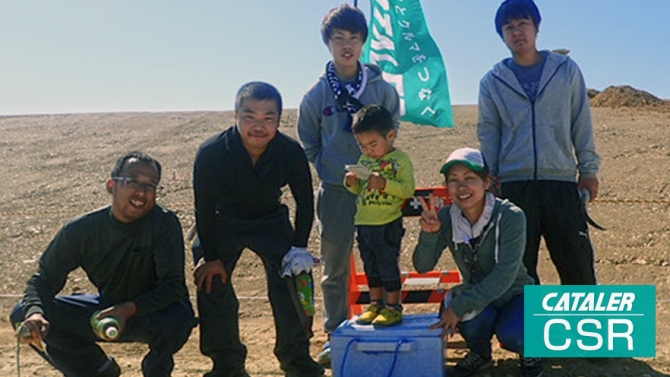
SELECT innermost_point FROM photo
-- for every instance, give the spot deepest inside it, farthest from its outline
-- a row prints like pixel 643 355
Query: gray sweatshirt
pixel 322 122
pixel 550 138
pixel 142 261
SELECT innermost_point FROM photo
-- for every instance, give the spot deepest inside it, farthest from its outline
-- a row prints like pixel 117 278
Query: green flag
pixel 400 44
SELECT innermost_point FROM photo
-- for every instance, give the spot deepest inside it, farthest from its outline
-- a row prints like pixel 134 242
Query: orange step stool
pixel 411 207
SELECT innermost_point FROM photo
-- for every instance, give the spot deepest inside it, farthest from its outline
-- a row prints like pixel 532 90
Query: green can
pixel 305 287
pixel 106 328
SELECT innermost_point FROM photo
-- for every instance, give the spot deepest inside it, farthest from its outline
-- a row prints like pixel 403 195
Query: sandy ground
pixel 55 166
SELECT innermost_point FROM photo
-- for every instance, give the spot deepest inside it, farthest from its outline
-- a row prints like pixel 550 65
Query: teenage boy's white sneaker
pixel 324 357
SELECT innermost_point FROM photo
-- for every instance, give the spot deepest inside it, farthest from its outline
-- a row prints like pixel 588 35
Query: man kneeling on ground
pixel 133 252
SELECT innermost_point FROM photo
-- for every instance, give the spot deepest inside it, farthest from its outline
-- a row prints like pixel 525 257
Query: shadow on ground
pixel 623 367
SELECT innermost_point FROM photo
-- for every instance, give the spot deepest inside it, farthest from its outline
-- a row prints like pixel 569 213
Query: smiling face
pixel 520 36
pixel 467 190
pixel 257 122
pixel 374 145
pixel 135 197
pixel 346 48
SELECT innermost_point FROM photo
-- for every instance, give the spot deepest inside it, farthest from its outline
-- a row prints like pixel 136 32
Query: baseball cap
pixel 472 158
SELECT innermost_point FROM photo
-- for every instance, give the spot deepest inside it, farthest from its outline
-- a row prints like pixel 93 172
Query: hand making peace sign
pixel 429 221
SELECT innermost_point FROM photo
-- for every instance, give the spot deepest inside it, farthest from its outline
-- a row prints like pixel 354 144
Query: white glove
pixel 297 261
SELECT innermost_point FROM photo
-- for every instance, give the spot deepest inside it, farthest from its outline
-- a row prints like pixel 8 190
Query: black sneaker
pixel 471 364
pixel 216 374
pixel 109 369
pixel 531 366
pixel 226 372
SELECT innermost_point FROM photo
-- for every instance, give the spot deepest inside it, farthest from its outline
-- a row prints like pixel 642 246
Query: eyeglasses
pixel 137 185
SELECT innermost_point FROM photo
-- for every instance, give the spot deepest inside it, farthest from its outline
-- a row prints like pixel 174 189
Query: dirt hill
pixel 54 167
pixel 624 96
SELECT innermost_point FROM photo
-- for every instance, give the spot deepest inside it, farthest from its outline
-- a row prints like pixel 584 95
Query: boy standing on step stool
pixel 324 127
pixel 379 228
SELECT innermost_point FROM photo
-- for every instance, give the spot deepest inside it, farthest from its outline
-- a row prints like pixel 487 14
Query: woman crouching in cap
pixel 486 237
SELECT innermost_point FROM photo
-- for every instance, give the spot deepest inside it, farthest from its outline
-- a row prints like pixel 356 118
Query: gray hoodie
pixel 321 124
pixel 550 138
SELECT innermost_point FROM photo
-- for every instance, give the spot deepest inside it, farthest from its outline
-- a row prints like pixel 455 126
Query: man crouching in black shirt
pixel 133 252
pixel 237 178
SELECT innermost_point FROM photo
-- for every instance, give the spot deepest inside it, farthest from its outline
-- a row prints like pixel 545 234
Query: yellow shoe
pixel 388 317
pixel 368 315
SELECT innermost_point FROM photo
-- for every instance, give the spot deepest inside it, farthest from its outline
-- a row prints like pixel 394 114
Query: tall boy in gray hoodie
pixel 536 135
pixel 324 127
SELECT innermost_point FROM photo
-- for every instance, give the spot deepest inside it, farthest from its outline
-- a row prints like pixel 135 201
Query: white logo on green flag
pixel 400 44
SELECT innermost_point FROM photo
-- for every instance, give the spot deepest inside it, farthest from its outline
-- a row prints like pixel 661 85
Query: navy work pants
pixel 219 309
pixel 71 342
pixel 505 322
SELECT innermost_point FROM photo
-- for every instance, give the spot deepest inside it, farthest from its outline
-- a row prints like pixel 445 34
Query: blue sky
pixel 74 56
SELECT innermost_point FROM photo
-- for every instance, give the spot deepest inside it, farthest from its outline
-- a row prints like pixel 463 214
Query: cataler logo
pixel 590 321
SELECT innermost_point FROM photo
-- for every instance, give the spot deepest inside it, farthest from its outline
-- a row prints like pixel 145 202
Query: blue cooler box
pixel 408 349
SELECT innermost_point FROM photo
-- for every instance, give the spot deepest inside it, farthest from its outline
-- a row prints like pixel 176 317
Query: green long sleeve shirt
pixel 379 207
pixel 142 261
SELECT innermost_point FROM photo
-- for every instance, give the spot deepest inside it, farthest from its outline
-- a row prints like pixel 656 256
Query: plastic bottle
pixel 107 328
pixel 305 286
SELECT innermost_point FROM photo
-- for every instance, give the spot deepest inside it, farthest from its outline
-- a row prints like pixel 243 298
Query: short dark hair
pixel 345 17
pixel 373 118
pixel 511 10
pixel 258 90
pixel 141 157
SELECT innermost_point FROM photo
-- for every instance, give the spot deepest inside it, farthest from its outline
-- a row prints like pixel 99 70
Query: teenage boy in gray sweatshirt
pixel 324 127
pixel 536 135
